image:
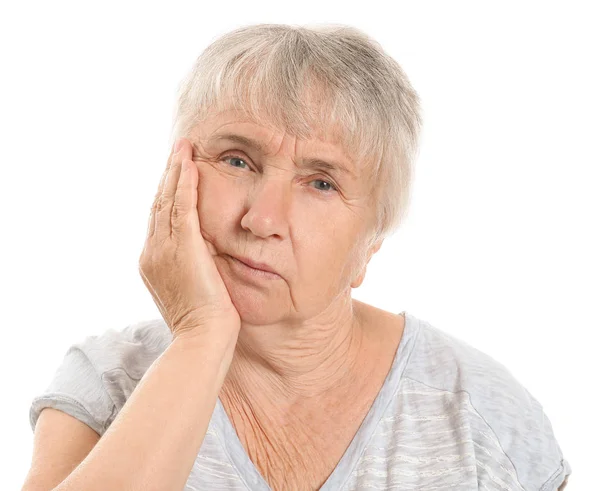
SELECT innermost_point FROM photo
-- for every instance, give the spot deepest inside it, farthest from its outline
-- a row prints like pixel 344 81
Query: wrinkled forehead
pixel 262 126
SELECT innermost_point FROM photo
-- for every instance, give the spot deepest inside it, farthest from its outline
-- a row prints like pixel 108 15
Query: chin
pixel 255 305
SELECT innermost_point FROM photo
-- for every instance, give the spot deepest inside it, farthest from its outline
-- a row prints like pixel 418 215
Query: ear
pixel 360 278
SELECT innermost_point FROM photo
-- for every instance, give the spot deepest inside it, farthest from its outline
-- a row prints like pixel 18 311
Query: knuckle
pixel 156 251
pixel 178 212
pixel 148 260
pixel 161 203
pixel 143 259
pixel 144 267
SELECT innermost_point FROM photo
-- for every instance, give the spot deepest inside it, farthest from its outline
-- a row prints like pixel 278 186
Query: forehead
pixel 263 128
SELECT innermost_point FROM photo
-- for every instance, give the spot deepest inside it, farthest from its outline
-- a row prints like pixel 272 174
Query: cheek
pixel 218 202
pixel 332 253
pixel 209 203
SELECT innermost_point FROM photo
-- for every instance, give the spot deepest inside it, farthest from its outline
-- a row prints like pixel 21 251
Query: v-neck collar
pixel 250 474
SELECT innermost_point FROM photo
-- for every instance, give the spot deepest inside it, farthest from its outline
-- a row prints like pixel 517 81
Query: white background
pixel 500 248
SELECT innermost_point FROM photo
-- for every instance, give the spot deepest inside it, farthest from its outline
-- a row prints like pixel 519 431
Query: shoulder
pixel 445 361
pixel 99 372
pixel 502 413
pixel 122 356
pixel 132 348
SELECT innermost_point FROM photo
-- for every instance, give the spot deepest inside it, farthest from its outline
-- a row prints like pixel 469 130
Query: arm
pixel 564 484
pixel 154 440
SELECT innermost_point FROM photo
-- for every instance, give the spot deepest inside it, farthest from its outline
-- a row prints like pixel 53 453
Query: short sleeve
pixel 525 433
pixel 511 432
pixel 98 374
pixel 542 448
pixel 76 389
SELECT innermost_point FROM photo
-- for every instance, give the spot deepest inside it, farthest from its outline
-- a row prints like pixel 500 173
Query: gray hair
pixel 310 79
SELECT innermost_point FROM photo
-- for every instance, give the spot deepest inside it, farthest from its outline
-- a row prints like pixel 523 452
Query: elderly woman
pixel 292 163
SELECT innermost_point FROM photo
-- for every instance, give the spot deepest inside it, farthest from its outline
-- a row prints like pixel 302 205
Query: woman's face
pixel 270 206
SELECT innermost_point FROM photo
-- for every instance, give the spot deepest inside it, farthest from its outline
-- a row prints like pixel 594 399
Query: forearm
pixel 155 438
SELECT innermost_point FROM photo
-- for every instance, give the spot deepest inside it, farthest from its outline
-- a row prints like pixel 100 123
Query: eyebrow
pixel 259 147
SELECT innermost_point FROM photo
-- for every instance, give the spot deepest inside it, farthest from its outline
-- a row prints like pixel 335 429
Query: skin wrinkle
pixel 306 350
pixel 338 168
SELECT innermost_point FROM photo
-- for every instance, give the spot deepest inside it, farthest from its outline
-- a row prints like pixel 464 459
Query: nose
pixel 268 207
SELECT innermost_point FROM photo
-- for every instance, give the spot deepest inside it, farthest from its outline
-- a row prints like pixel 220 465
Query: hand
pixel 176 265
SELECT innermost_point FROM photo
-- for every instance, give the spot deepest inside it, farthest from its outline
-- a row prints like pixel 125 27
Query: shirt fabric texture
pixel 448 417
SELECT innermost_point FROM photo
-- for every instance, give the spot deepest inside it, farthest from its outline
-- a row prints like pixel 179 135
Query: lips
pixel 255 264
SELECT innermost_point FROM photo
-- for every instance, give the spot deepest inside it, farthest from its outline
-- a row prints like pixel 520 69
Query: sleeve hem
pixel 558 477
pixel 66 404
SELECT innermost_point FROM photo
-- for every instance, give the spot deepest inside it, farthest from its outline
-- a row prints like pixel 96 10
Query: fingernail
pixel 178 145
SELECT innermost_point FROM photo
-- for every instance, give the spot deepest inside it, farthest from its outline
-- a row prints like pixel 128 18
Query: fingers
pixel 164 202
pixel 152 219
pixel 184 215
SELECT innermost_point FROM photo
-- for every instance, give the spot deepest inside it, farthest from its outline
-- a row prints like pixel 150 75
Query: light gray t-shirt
pixel 448 417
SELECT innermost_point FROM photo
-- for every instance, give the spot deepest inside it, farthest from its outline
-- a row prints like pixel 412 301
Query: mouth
pixel 257 269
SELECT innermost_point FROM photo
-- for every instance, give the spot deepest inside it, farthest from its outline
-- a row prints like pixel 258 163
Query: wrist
pixel 212 338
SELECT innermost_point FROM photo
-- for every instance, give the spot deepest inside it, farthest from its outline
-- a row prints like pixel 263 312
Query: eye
pixel 329 189
pixel 233 157
pixel 329 186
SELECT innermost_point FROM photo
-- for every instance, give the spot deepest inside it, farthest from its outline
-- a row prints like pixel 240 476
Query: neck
pixel 282 365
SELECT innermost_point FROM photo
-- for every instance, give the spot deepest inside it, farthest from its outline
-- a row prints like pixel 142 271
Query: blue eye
pixel 331 186
pixel 231 157
pixel 325 191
